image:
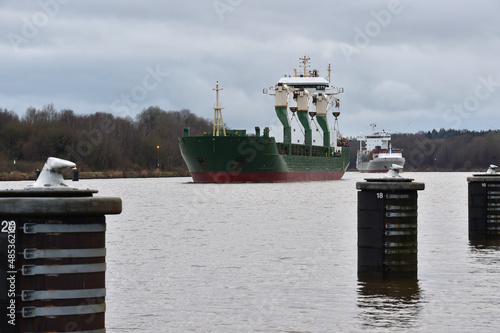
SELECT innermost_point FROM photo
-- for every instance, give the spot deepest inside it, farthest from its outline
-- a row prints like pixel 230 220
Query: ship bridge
pixel 313 84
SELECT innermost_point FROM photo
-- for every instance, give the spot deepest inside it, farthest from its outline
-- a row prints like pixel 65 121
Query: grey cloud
pixel 393 58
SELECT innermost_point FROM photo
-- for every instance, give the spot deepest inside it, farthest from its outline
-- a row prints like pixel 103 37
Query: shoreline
pixel 20 176
pixel 68 175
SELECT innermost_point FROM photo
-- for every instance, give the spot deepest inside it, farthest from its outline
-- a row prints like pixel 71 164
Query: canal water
pixel 185 257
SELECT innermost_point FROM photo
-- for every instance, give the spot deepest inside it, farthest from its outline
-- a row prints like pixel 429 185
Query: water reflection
pixel 389 303
pixel 484 243
pixel 484 254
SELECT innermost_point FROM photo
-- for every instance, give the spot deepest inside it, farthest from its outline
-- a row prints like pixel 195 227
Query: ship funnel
pixel 51 174
pixel 394 171
pixel 492 169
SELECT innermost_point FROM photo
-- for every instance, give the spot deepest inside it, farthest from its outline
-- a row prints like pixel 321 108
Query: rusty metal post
pixel 52 259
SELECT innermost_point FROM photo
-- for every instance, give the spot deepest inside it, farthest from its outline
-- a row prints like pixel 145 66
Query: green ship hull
pixel 241 158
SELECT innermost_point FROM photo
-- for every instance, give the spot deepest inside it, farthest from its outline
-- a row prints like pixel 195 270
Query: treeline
pixel 446 150
pixel 95 142
pixel 103 142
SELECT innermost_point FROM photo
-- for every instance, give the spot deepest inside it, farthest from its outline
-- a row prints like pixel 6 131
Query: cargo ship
pixel 233 156
pixel 376 153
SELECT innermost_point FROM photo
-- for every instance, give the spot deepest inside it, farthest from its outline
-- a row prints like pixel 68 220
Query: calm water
pixel 186 257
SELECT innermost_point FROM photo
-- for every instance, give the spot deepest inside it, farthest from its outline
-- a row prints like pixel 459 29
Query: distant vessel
pixel 226 156
pixel 376 153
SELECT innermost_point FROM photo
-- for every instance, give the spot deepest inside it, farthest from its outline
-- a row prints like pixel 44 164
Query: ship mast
pixel 218 121
pixel 305 60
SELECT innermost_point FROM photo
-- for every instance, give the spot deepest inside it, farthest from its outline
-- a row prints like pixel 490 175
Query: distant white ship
pixel 376 153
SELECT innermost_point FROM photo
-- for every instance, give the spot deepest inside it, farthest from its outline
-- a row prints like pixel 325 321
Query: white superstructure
pixel 307 97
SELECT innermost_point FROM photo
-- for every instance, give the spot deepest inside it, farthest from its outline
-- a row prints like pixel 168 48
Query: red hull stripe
pixel 263 177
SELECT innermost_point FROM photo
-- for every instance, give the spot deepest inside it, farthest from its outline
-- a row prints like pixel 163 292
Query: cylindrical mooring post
pixel 76 175
pixel 387 228
pixel 484 205
pixel 52 259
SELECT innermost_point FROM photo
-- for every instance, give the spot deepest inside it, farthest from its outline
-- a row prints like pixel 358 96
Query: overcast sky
pixel 405 65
